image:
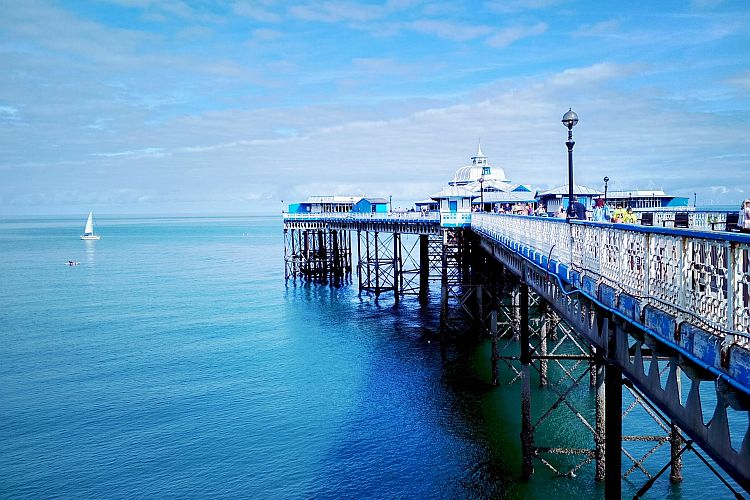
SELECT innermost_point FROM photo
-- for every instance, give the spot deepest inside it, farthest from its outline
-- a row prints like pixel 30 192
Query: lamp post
pixel 606 180
pixel 481 192
pixel 695 200
pixel 570 119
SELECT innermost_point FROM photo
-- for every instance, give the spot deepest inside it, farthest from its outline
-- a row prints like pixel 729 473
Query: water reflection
pixel 90 252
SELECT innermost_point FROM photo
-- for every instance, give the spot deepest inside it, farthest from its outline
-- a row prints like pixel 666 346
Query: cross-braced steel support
pixel 317 254
pixel 462 296
pixel 380 263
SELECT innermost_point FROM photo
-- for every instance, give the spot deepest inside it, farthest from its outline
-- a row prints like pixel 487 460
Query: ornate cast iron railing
pixel 698 276
pixel 365 217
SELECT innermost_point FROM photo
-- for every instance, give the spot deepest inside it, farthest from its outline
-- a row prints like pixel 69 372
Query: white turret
pixel 479 168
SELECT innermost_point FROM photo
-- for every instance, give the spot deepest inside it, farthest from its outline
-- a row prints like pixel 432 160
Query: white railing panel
pixel 707 283
pixel 665 273
pixel 741 288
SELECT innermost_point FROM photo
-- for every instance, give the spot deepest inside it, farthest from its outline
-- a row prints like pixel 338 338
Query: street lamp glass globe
pixel 570 118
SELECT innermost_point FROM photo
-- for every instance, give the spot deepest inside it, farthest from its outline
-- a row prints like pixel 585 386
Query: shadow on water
pixel 446 386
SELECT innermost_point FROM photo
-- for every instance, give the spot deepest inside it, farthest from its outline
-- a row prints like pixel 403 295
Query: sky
pixel 175 106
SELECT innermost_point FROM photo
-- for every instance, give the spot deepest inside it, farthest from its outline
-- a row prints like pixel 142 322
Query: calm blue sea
pixel 174 361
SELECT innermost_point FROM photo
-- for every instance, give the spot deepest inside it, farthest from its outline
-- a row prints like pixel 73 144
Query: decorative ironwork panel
pixel 741 289
pixel 707 280
pixel 666 278
pixel 633 253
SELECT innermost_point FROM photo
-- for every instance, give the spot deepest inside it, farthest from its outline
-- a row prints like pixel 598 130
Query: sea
pixel 175 361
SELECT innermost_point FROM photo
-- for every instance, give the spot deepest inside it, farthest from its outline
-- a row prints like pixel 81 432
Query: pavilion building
pixel 486 186
pixel 644 200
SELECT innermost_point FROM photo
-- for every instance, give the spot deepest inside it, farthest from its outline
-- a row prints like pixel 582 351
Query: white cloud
pixel 257 12
pixel 333 12
pixel 576 77
pixel 449 30
pixel 138 153
pixel 741 80
pixel 511 6
pixel 509 35
pixel 266 35
pixel 706 4
pixel 610 28
pixel 8 113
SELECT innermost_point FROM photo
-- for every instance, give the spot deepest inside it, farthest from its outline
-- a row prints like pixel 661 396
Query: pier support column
pixel 306 253
pixel 546 313
pixel 398 277
pixel 349 251
pixel 359 260
pixel 675 441
pixel 494 356
pixel 600 417
pixel 675 438
pixel 377 267
pixel 336 251
pixel 424 267
pixel 613 419
pixel 444 289
pixel 481 329
pixel 322 268
pixel 527 430
pixel 516 315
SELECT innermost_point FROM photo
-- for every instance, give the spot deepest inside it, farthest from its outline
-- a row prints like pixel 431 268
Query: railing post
pixel 683 268
pixel 647 268
pixel 730 250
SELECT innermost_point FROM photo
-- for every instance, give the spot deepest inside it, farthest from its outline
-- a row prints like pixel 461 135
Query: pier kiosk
pixel 454 203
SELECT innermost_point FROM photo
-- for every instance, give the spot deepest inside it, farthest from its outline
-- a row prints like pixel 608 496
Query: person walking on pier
pixel 602 212
pixel 629 217
pixel 578 210
pixel 743 221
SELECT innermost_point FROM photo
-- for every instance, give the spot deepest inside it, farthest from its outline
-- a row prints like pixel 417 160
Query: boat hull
pixel 89 237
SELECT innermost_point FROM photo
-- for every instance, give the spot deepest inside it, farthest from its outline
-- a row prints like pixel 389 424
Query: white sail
pixel 88 232
pixel 89 224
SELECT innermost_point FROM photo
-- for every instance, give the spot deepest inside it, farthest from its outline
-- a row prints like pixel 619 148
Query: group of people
pixel 601 213
pixel 604 213
pixel 743 221
pixel 517 208
pixel 620 214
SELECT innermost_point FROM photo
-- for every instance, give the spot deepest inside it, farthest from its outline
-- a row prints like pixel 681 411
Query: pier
pixel 661 314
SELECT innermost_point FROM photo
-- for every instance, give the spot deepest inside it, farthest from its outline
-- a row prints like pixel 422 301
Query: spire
pixel 479 159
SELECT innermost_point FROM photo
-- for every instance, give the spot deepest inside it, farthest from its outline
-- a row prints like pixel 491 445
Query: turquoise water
pixel 174 361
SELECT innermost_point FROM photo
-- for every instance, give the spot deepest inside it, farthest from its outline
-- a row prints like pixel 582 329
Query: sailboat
pixel 88 233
